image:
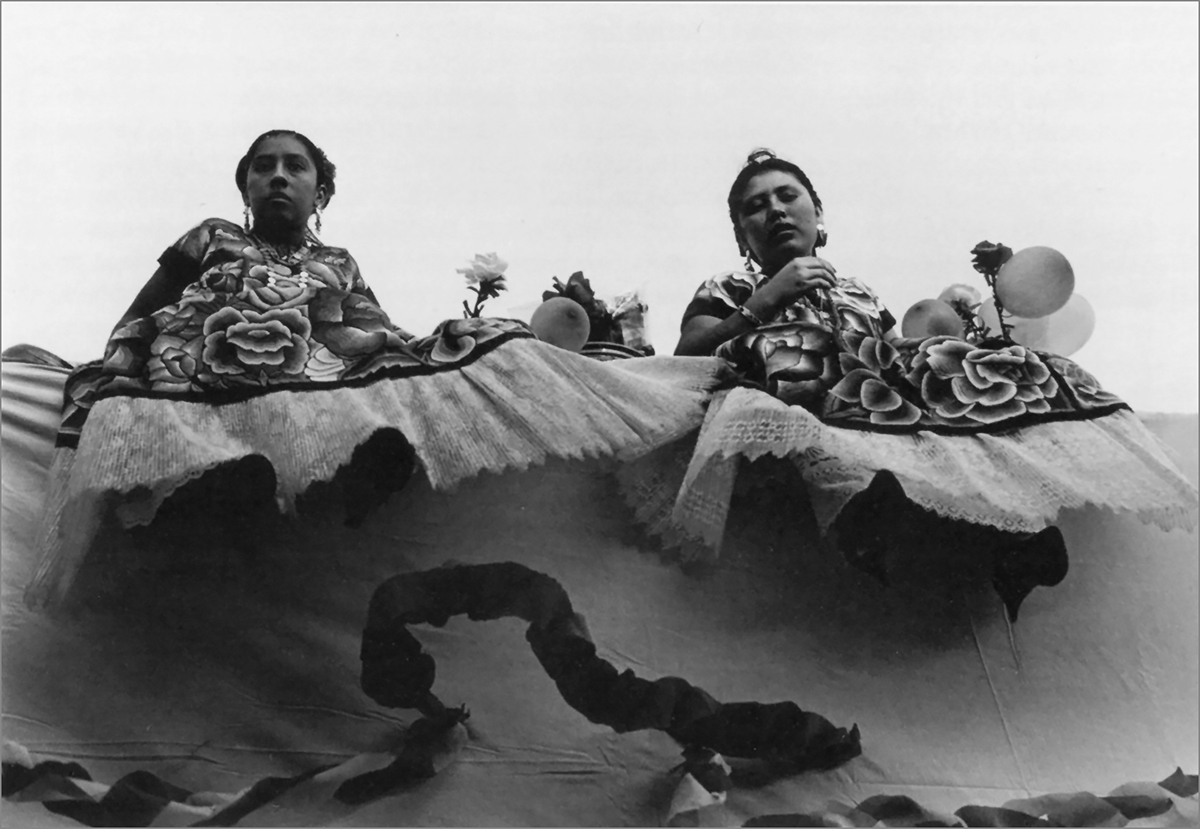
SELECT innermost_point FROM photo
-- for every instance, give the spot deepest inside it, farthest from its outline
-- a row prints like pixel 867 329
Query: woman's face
pixel 281 184
pixel 778 219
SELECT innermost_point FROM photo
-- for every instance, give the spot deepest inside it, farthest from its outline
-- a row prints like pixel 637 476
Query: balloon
pixel 1069 328
pixel 1035 282
pixel 1025 332
pixel 931 317
pixel 959 295
pixel 562 322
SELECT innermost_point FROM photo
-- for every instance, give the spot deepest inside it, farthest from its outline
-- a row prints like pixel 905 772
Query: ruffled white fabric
pixel 516 406
pixel 1017 482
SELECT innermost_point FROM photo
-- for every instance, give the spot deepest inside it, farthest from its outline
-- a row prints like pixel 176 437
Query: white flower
pixel 485 267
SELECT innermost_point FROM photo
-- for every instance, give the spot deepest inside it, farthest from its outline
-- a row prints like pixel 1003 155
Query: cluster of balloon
pixel 1037 289
pixel 1037 286
pixel 562 322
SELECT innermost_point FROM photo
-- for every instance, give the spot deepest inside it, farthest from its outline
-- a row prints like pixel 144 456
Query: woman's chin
pixel 781 254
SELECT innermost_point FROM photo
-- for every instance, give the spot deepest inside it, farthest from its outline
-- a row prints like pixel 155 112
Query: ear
pixel 321 198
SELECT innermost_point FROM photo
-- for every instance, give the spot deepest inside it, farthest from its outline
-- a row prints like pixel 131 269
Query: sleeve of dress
pixel 359 286
pixel 183 259
pixel 719 296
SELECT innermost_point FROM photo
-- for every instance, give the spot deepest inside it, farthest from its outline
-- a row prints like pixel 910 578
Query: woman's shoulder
pixel 856 287
pixel 732 279
pixel 199 236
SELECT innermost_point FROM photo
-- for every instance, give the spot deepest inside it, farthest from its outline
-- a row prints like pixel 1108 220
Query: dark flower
pixel 988 257
pixel 602 326
pixel 224 279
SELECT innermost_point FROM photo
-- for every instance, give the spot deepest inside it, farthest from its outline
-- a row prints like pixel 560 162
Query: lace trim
pixel 1017 482
pixel 514 408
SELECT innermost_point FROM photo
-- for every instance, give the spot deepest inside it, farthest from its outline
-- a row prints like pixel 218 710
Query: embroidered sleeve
pixel 357 285
pixel 858 303
pixel 184 260
pixel 720 296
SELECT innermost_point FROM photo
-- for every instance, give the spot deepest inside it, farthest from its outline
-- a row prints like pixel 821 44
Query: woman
pixel 256 366
pixel 890 434
pixel 263 305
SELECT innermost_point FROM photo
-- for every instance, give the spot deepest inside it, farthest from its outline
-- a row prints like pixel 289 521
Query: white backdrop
pixel 603 138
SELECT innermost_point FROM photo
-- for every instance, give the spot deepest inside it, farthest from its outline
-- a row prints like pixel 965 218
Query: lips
pixel 781 230
pixel 278 197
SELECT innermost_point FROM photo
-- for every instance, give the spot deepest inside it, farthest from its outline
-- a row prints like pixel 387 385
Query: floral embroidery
pixel 238 342
pixel 256 317
pixel 831 358
pixel 958 379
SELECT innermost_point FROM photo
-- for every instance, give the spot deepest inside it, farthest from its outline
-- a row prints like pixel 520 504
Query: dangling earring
pixel 247 222
pixel 744 249
pixel 317 213
pixel 822 236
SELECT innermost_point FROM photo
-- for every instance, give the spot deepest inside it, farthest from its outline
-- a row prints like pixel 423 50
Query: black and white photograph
pixel 600 414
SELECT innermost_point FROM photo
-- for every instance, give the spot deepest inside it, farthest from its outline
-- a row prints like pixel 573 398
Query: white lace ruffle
pixel 1017 482
pixel 514 407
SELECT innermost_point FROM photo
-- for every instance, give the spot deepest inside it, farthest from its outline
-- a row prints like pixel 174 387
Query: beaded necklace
pixel 286 254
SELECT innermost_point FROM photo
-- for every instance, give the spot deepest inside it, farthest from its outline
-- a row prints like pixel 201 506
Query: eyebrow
pixel 288 156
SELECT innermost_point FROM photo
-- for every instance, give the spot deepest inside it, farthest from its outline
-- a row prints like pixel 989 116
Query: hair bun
pixel 759 155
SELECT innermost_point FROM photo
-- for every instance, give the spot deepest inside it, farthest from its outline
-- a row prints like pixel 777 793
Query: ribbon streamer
pixel 397 673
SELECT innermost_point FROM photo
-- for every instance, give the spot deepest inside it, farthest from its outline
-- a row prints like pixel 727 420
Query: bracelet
pixel 752 317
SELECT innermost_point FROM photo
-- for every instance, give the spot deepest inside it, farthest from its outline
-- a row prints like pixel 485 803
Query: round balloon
pixel 1035 282
pixel 1026 332
pixel 562 322
pixel 959 295
pixel 930 318
pixel 1070 328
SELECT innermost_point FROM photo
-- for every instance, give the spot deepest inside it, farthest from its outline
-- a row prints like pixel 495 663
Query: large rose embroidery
pixel 871 371
pixel 248 342
pixel 959 379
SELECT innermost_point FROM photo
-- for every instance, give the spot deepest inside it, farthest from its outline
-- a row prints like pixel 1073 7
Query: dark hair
pixel 760 161
pixel 326 171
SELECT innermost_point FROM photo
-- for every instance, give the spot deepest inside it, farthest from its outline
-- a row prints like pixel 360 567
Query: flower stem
pixel 1005 328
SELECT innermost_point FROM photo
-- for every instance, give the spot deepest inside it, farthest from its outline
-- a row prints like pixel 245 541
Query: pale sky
pixel 604 138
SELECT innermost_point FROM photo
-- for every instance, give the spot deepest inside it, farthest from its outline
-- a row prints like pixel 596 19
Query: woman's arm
pixel 702 334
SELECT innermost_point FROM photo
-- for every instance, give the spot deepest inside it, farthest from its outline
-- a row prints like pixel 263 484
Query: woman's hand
pixel 803 275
